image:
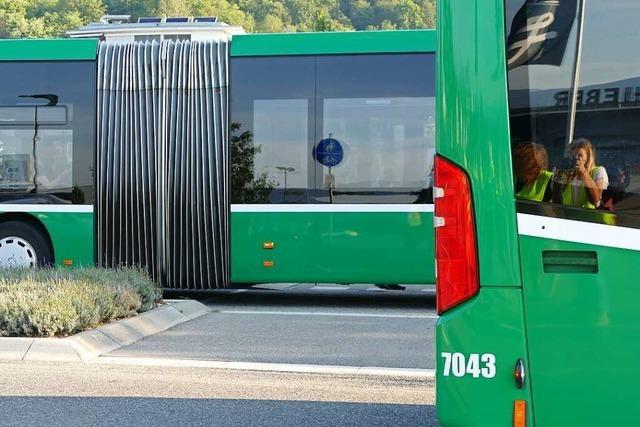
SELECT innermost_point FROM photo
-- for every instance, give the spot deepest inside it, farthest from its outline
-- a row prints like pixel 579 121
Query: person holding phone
pixel 582 184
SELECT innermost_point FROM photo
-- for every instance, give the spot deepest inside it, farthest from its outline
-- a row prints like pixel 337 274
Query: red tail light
pixel 456 255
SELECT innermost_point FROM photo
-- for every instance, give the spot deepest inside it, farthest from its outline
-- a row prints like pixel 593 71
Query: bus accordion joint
pixel 456 255
pixel 519 374
pixel 519 413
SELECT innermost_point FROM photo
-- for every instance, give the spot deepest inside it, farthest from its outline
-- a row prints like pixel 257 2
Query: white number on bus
pixel 476 365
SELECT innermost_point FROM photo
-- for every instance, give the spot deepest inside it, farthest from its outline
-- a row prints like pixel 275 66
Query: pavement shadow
pixel 143 411
pixel 270 297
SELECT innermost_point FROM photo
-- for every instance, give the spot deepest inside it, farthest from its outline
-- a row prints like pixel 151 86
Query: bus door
pixel 574 95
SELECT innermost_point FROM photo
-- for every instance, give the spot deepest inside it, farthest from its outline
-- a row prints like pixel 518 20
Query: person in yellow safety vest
pixel 581 186
pixel 532 177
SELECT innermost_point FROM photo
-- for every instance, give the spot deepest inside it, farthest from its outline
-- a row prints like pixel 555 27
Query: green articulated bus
pixel 537 207
pixel 271 158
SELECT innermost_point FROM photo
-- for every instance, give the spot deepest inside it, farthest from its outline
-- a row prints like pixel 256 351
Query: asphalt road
pixel 317 325
pixel 37 394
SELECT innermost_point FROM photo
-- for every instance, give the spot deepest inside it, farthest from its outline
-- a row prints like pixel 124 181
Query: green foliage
pixel 51 18
pixel 44 19
pixel 245 186
pixel 47 302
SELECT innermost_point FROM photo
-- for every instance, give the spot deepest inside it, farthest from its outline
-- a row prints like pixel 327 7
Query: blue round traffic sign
pixel 328 152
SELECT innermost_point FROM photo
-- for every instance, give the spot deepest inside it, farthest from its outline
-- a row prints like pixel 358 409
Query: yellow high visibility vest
pixel 536 189
pixel 582 200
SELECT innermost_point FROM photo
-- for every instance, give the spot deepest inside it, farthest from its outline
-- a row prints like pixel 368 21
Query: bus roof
pixel 48 49
pixel 353 42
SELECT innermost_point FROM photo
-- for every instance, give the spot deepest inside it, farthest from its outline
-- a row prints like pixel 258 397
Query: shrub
pixel 50 302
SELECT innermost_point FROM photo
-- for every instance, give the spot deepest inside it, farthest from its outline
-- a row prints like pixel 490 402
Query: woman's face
pixel 530 174
pixel 580 155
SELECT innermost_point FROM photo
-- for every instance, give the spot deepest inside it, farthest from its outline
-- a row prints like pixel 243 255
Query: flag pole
pixel 576 73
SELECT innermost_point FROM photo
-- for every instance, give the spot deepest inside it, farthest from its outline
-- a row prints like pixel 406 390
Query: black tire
pixel 30 234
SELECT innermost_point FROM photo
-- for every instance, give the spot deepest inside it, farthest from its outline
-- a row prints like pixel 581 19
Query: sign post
pixel 329 152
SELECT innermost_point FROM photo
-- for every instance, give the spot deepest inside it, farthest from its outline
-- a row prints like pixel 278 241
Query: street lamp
pixel 285 169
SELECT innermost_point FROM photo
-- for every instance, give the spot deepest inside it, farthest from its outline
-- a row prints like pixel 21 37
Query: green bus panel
pixel 329 247
pixel 71 235
pixel 354 42
pixel 48 50
pixel 492 323
pixel 473 126
pixel 583 330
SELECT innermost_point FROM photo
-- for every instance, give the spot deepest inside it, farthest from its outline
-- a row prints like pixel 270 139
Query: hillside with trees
pixel 51 18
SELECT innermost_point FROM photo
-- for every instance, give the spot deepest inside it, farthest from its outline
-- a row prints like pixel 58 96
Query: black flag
pixel 539 32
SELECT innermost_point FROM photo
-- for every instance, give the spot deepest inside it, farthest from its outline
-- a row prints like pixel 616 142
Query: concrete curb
pixel 89 345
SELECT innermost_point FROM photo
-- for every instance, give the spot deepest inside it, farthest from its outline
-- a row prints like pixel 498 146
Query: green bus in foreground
pixel 269 158
pixel 537 211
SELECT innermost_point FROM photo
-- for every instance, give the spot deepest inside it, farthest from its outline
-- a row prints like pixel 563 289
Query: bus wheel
pixel 23 246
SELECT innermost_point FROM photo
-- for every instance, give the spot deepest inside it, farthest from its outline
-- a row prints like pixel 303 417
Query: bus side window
pixel 47 130
pixel 593 148
pixel 609 103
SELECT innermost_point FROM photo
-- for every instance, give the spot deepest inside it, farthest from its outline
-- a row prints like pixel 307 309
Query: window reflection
pixel 609 98
pixel 595 159
pixel 380 109
pixel 388 142
pixel 31 163
pixel 47 131
pixel 281 130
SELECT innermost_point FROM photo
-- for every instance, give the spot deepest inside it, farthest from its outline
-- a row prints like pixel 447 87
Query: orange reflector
pixel 268 245
pixel 267 263
pixel 519 413
pixel 67 262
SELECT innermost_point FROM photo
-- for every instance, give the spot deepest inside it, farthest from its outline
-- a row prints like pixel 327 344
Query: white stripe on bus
pixel 331 208
pixel 579 232
pixel 45 208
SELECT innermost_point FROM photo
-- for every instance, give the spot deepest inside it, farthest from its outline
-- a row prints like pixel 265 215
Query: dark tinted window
pixel 47 131
pixel 379 108
pixel 608 109
pixel 604 123
pixel 272 129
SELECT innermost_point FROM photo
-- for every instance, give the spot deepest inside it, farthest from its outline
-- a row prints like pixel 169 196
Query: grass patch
pixel 55 302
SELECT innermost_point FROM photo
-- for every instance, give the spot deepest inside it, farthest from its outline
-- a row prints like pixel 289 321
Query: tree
pixel 401 14
pixel 51 18
pixel 269 15
pixel 245 186
pixel 429 12
pixel 31 18
pixel 271 24
pixel 229 13
pixel 172 8
pixel 361 13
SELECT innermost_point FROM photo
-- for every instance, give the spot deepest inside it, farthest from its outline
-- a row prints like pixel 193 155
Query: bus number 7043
pixel 457 364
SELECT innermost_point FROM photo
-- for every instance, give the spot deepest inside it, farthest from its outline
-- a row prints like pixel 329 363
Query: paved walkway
pixel 316 327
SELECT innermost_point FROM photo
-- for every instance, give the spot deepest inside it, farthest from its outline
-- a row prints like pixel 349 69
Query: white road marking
pixel 327 313
pixel 273 367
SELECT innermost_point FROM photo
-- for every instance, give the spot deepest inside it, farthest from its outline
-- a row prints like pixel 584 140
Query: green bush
pixel 50 302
